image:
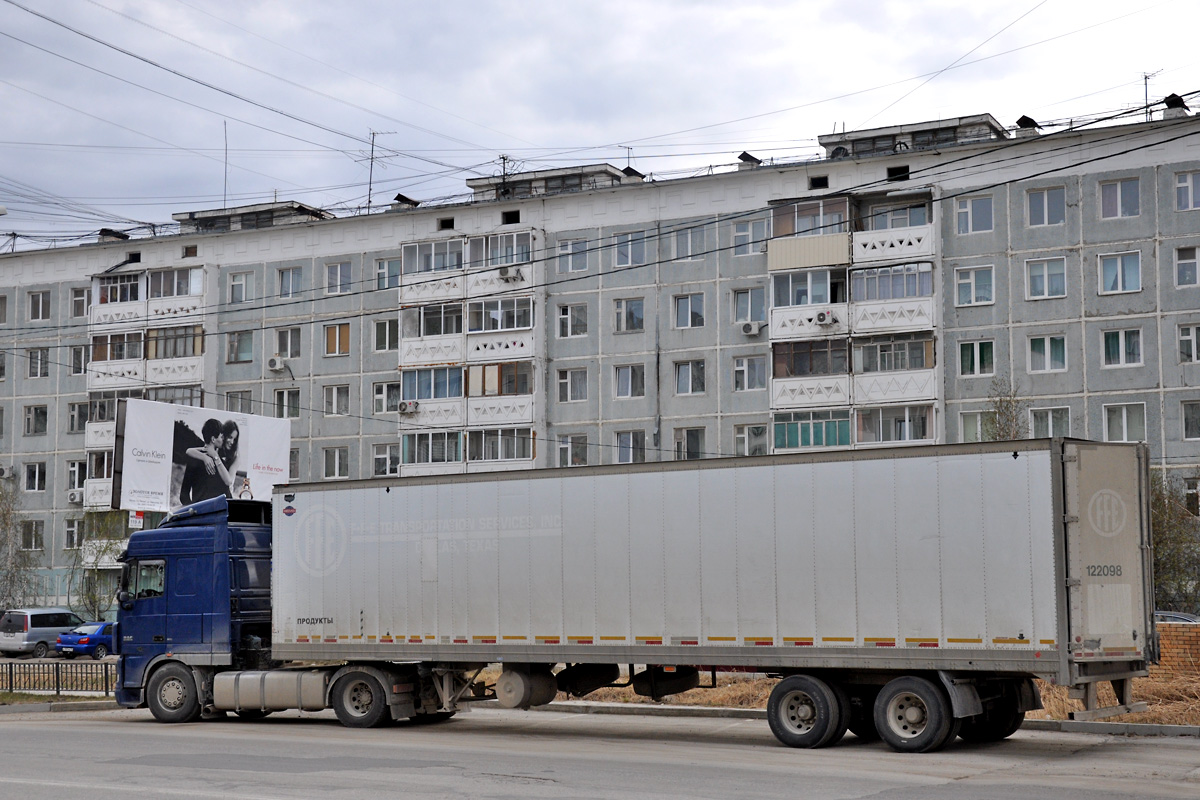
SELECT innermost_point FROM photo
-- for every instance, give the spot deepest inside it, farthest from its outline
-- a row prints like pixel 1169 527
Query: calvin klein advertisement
pixel 169 456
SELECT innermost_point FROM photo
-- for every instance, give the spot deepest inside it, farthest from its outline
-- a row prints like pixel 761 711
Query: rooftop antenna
pixel 628 153
pixel 225 194
pixel 371 170
pixel 1146 76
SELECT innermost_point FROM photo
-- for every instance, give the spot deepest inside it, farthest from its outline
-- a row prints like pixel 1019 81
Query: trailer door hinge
pixel 1070 458
pixel 1074 582
pixel 1070 519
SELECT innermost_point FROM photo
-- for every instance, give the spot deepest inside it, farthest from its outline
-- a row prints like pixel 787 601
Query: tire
pixel 250 714
pixel 40 650
pixel 171 694
pixel 359 701
pixel 804 711
pixel 862 714
pixel 839 728
pixel 999 720
pixel 912 715
pixel 100 652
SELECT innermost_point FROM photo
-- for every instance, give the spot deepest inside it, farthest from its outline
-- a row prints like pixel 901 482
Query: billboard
pixel 168 456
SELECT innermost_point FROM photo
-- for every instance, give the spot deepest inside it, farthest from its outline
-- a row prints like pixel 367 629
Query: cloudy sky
pixel 118 112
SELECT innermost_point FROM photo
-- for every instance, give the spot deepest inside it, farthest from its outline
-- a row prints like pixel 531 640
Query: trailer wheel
pixel 803 711
pixel 999 720
pixel 172 695
pixel 359 701
pixel 912 715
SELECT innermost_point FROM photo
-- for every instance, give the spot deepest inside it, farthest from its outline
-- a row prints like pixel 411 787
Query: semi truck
pixel 910 594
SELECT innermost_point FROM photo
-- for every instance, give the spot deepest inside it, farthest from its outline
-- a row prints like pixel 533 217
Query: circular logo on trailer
pixel 320 543
pixel 1107 513
pixel 289 510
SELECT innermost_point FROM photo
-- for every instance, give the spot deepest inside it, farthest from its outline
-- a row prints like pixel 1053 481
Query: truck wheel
pixel 171 694
pixel 999 720
pixel 913 715
pixel 803 711
pixel 359 701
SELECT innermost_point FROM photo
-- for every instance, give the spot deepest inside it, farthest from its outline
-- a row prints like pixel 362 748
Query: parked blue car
pixel 92 639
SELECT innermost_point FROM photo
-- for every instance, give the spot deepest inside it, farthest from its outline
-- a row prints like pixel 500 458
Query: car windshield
pixel 88 629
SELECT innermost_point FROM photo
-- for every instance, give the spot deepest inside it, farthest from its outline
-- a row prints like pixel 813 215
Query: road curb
pixel 85 705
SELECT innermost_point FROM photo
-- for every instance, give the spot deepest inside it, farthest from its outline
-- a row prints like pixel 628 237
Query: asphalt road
pixel 493 753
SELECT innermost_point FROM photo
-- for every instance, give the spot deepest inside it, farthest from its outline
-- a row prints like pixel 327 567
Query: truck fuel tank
pixel 274 690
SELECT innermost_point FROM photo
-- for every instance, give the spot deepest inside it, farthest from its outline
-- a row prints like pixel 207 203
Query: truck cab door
pixel 143 619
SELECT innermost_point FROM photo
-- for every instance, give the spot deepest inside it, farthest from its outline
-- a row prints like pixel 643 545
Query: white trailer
pixel 912 592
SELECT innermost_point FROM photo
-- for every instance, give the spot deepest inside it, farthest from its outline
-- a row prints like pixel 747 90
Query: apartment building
pixel 587 315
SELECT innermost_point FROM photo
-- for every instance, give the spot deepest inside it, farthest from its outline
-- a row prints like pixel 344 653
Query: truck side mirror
pixel 125 599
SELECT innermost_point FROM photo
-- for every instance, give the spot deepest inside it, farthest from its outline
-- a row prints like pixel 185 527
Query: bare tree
pixel 91 583
pixel 18 565
pixel 1005 418
pixel 1176 535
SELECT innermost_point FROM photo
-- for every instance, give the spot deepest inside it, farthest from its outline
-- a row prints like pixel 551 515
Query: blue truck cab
pixel 195 595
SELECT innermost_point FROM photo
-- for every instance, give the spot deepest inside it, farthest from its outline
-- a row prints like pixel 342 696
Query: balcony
pixel 892 316
pixel 112 315
pixel 510 409
pixel 810 392
pixel 159 310
pixel 100 435
pixel 448 468
pixel 102 554
pixel 448 413
pixel 97 494
pixel 499 346
pixel 123 374
pixel 903 386
pixel 802 322
pixel 497 280
pixel 432 350
pixel 431 287
pixel 174 370
pixel 893 244
pixel 798 252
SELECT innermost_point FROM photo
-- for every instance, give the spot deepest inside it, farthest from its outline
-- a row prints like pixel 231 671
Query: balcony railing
pixel 500 346
pixel 121 374
pixel 510 409
pixel 810 392
pixel 117 314
pixel 432 350
pixel 809 322
pixel 100 435
pixel 175 370
pixel 798 252
pixel 889 316
pixel 893 244
pixel 902 386
pixel 427 287
pixel 500 279
pixel 434 414
pixel 97 493
pixel 159 310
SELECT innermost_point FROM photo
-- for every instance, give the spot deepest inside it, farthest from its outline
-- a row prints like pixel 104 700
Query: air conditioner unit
pixel 6 472
pixel 825 318
pixel 276 364
pixel 75 496
pixel 752 328
pixel 409 407
pixel 509 274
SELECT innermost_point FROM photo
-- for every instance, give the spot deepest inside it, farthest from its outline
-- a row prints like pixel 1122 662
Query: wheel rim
pixel 359 698
pixel 798 712
pixel 907 716
pixel 101 652
pixel 172 694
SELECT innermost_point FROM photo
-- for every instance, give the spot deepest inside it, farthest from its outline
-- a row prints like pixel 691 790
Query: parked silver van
pixel 34 630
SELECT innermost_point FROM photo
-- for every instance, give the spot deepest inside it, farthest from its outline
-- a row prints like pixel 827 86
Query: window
pixel 977 426
pixel 750 305
pixel 176 395
pixel 1187 191
pixel 35 477
pixel 631 447
pixel 894 352
pixel 1185 266
pixel 630 248
pixel 801 359
pixel 974 286
pixel 39 305
pixel 432 257
pixel 520 189
pixel 1047 207
pixel 294 464
pixel 445 224
pixel 119 289
pixel 239 402
pixel 387 335
pixel 974 214
pixel 795 429
pixel 1121 273
pixel 1191 421
pixel 1047 354
pixel 100 464
pixel 750 440
pixel 241 287
pixel 388 397
pixel 572 450
pixel 1046 278
pixel 1046 423
pixel 386 460
pixel 572 255
pixel 39 362
pixel 689 377
pixel 387 273
pixel 1188 354
pixel 747 235
pixel 500 444
pixel 81 301
pixel 509 248
pixel 749 372
pixel 1191 495
pixel 572 321
pixel 631 381
pixel 337 401
pixel 117 347
pixel 102 406
pixel 77 417
pixel 629 315
pixel 337 278
pixel 289 282
pixel 3 308
pixel 572 385
pixel 690 243
pixel 441 447
pixel 511 378
pixel 35 420
pixel 33 534
pixel 182 342
pixel 975 359
pixel 76 474
pixel 689 444
pixel 170 283
pixel 239 347
pixel 287 403
pixel 337 462
pixel 75 535
pixel 507 314
pixel 892 283
pixel 79 360
pixel 288 340
pixel 813 218
pixel 431 384
pixel 1123 348
pixel 1119 198
pixel 898 424
pixel 1125 422
pixel 190 251
pixel 689 311
pixel 441 320
pixel 337 339
pixel 909 216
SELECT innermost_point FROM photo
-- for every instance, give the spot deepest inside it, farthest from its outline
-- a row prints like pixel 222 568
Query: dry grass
pixel 18 698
